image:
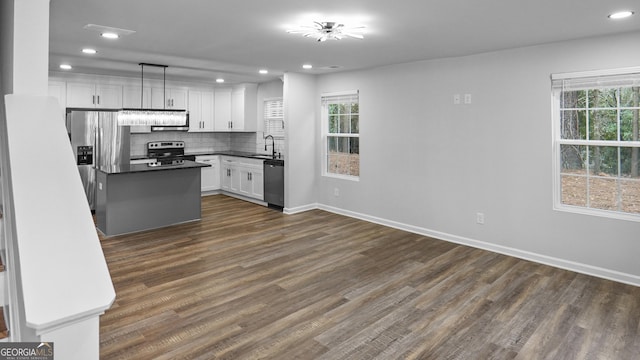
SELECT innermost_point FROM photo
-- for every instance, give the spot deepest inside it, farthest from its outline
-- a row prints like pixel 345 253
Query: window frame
pixel 325 132
pixel 557 142
pixel 267 119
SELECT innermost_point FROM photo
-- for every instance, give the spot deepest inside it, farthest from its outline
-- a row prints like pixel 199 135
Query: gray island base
pixel 133 198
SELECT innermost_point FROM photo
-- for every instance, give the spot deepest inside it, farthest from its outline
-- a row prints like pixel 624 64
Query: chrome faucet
pixel 273 145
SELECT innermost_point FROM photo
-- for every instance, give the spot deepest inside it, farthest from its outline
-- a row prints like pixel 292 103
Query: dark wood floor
pixel 248 282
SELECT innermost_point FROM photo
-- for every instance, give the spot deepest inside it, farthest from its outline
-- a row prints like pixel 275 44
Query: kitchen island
pixel 138 197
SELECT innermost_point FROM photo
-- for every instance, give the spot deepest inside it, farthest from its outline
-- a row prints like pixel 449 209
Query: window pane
pixel 630 196
pixel 355 128
pixel 603 125
pixel 573 158
pixel 573 124
pixel 333 124
pixel 630 162
pixel 574 190
pixel 345 108
pixel 629 125
pixel 333 109
pixel 332 144
pixel 603 98
pixel 354 146
pixel 343 145
pixel 344 124
pixel 332 163
pixel 354 165
pixel 603 160
pixel 355 108
pixel 574 99
pixel 630 97
pixel 603 193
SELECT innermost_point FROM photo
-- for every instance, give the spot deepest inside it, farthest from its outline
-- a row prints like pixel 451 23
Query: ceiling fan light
pixel 328 30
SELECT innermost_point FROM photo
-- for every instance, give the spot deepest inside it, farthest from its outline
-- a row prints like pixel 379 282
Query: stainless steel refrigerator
pixel 96 140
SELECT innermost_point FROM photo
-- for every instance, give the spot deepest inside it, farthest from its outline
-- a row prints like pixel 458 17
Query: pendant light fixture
pixel 147 117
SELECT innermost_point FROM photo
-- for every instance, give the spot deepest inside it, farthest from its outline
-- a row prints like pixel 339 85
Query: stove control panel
pixel 165 144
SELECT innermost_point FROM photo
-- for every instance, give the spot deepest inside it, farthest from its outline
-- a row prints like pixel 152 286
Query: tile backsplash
pixel 206 142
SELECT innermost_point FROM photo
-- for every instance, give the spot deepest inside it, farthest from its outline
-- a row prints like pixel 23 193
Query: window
pixel 341 135
pixel 274 117
pixel 596 143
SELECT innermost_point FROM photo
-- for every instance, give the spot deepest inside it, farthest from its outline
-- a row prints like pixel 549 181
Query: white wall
pixel 301 169
pixel 429 165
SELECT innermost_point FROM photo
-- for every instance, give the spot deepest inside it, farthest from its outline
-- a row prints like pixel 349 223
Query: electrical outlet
pixel 480 218
pixel 456 99
pixel 467 98
pixel 336 192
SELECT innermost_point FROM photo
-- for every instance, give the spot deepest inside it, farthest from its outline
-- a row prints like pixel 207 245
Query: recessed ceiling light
pixel 219 81
pixel 109 35
pixel 89 51
pixel 307 66
pixel 263 71
pixel 65 67
pixel 620 15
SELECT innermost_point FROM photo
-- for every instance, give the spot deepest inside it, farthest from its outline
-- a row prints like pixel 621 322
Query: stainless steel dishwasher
pixel 274 183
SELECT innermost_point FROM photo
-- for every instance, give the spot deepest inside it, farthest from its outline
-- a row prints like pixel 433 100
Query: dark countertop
pixel 225 152
pixel 134 168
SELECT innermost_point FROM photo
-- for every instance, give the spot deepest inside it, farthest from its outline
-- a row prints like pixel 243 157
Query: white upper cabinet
pixel 135 97
pixel 169 98
pixel 236 109
pixel 222 113
pixel 91 95
pixel 201 111
pixel 244 115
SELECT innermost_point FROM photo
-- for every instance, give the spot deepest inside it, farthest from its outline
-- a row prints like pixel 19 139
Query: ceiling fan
pixel 329 30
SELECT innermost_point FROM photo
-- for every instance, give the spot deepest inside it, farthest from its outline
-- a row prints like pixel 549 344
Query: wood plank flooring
pixel 248 282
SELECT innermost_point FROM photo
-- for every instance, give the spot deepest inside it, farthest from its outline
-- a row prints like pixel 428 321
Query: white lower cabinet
pixel 210 176
pixel 242 176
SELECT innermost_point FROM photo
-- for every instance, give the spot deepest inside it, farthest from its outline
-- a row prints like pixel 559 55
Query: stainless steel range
pixel 167 153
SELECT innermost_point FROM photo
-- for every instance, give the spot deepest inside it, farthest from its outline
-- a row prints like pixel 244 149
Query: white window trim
pixel 324 134
pixel 557 142
pixel 279 135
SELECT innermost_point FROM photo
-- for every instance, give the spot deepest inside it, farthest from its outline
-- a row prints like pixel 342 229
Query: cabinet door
pixel 237 109
pixel 108 96
pixel 207 111
pixel 81 95
pixel 195 111
pixel 222 110
pixel 210 176
pixel 235 179
pixel 200 111
pixel 135 97
pixel 257 182
pixel 179 99
pixel 169 98
pixel 158 98
pixel 246 186
pixel 225 178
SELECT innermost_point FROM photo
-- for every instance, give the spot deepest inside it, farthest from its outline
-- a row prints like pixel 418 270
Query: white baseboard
pixel 526 255
pixel 299 209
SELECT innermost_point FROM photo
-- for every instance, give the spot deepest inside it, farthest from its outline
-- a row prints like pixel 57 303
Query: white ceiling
pixel 205 39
